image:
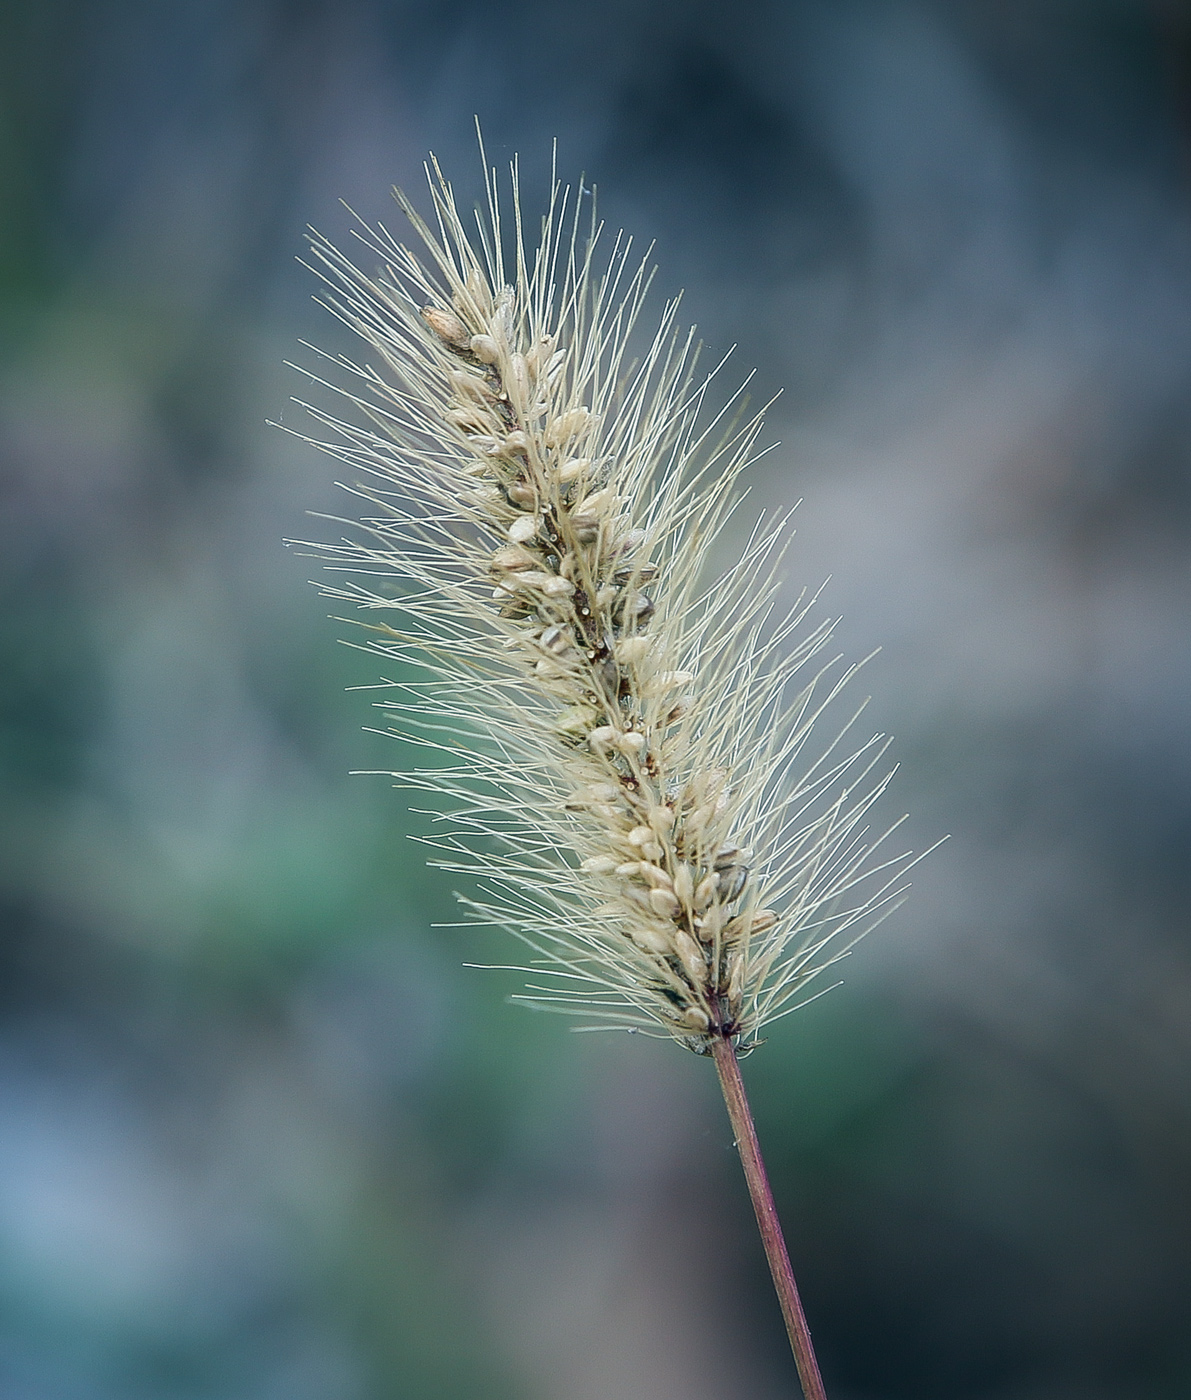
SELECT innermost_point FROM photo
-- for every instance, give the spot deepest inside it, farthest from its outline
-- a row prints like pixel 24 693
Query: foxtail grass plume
pixel 629 747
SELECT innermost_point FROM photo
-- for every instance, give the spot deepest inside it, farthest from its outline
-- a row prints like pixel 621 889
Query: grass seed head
pixel 624 741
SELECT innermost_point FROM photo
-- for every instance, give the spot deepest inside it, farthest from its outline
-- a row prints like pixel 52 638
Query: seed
pixel 586 528
pixel 446 325
pixel 522 495
pixel 514 607
pixel 598 865
pixel 555 639
pixel 484 348
pixel 656 876
pixel 632 650
pixel 567 425
pixel 733 882
pixel 709 924
pixel 664 903
pixel 684 884
pixel 476 286
pixel 637 897
pixel 602 737
pixel 511 557
pixel 469 387
pixel 530 578
pixel 539 353
pixel 525 527
pixel 735 979
pixel 651 938
pixel 696 1018
pixel 598 503
pixel 640 836
pixel 639 573
pixel 637 609
pixel 670 680
pixel 573 468
pixel 519 374
pixel 694 963
pixel 708 787
pixel 705 891
pixel 470 419
pixel 575 719
pixel 756 922
pixel 630 541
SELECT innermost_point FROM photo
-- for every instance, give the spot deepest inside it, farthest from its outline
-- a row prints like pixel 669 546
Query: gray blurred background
pixel 262 1137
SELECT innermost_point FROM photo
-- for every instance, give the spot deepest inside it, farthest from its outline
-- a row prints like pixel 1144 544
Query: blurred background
pixel 262 1136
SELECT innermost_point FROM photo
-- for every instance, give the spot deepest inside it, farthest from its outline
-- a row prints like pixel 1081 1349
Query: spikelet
pixel 625 744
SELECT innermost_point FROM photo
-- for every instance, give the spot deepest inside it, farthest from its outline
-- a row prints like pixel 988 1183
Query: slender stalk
pixel 771 1231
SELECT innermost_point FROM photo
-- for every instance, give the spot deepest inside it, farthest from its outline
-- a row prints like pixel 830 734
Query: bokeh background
pixel 262 1136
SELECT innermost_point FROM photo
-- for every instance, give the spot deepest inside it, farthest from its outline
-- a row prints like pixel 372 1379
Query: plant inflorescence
pixel 625 740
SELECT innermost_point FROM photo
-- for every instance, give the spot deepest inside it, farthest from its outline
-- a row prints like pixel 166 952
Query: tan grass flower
pixel 626 743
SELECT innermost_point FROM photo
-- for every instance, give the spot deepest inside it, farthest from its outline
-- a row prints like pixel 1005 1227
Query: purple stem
pixel 767 1222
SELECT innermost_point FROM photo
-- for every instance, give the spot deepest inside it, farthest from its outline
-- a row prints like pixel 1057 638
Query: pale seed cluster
pixel 573 575
pixel 624 731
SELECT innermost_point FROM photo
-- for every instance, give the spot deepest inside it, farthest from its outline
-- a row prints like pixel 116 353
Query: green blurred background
pixel 261 1134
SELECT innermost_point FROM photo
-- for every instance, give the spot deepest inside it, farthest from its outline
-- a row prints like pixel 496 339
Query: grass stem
pixel 728 1069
